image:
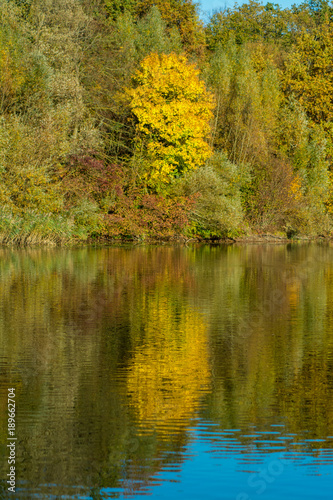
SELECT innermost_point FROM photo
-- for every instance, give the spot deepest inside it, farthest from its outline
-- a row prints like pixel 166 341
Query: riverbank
pixel 44 235
pixel 248 239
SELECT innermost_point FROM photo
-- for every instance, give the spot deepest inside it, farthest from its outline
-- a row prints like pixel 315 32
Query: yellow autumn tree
pixel 173 111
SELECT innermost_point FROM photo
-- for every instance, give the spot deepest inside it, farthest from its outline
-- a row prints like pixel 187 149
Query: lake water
pixel 200 372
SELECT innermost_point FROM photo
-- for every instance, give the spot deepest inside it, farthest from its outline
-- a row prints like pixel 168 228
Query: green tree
pixel 249 22
pixel 308 73
pixel 182 15
pixel 114 8
pixel 247 103
pixel 109 62
pixel 218 211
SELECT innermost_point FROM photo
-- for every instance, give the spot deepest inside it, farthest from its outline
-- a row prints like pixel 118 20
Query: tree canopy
pixel 173 109
pixel 136 120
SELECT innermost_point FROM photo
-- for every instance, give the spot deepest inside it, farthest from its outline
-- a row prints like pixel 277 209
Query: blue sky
pixel 208 6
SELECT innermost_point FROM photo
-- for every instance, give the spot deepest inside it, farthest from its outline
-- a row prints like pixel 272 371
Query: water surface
pixel 202 372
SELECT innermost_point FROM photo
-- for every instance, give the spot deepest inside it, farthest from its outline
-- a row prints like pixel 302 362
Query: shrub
pixel 217 186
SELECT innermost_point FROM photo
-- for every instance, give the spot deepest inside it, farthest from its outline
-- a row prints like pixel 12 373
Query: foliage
pixel 318 11
pixel 12 57
pixel 114 8
pixel 308 74
pixel 218 211
pixel 251 21
pixel 110 59
pixel 247 103
pixel 34 228
pixel 26 178
pixel 173 110
pixel 119 120
pixel 181 15
pixel 141 216
pixel 269 24
pixel 306 145
pixel 274 199
pixel 102 200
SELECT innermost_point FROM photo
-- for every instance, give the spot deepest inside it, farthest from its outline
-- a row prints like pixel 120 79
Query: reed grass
pixel 36 229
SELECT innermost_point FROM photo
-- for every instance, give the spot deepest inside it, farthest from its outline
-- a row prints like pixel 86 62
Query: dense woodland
pixel 134 120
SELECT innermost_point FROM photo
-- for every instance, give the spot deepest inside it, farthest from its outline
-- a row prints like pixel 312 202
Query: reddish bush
pixel 148 215
pixel 128 211
pixel 88 177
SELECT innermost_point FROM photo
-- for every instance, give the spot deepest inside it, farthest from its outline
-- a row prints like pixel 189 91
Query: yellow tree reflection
pixel 169 372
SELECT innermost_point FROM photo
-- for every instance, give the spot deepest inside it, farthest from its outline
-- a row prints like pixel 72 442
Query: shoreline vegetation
pixel 134 121
pixel 54 241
